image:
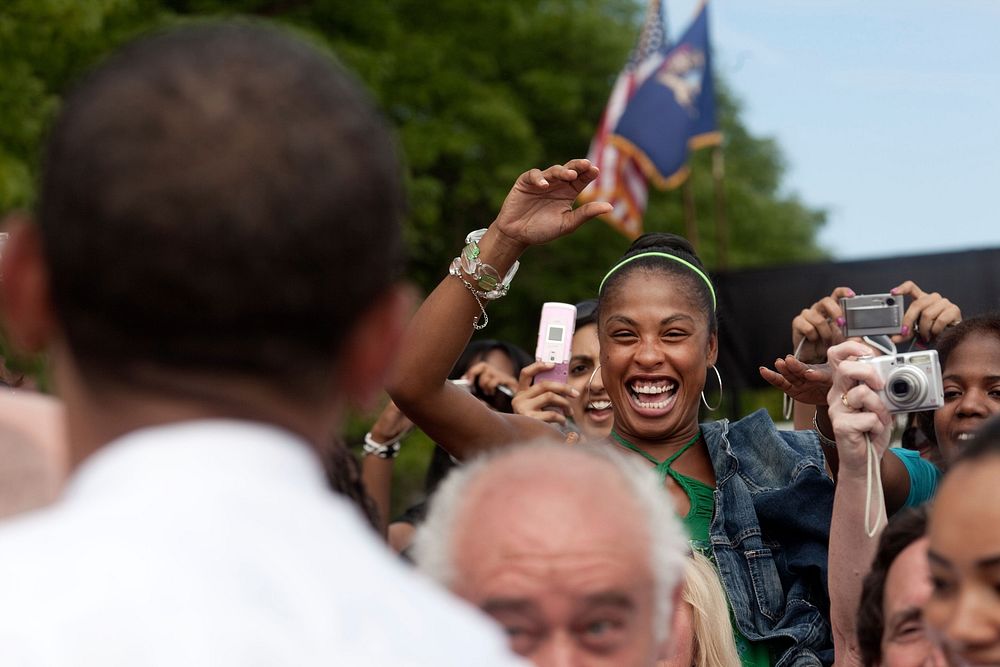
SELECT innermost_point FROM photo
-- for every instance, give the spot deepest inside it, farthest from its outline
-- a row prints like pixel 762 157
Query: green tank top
pixel 698 523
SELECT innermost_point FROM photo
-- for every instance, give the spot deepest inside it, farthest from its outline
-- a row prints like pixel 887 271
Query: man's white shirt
pixel 219 543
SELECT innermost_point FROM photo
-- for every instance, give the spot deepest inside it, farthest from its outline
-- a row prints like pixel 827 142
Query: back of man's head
pixel 221 199
pixel 560 538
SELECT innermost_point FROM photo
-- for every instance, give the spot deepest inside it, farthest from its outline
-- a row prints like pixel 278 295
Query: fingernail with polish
pixel 840 321
pixel 905 330
pixel 851 292
pixel 894 290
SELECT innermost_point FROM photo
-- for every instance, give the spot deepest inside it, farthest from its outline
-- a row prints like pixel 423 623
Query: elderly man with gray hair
pixel 575 551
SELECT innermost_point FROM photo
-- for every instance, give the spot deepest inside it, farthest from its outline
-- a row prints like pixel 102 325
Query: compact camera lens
pixel 905 388
pixel 890 302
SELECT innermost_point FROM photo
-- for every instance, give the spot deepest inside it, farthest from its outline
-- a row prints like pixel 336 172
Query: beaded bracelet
pixel 383 450
pixel 486 283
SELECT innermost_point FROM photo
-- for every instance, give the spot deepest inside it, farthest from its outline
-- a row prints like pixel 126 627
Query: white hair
pixel 434 539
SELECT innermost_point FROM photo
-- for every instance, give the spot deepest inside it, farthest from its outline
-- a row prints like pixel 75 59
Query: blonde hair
pixel 714 645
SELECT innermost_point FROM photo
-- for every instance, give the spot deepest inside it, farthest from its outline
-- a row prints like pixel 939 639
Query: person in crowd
pixel 891 629
pixel 963 611
pixel 33 452
pixel 215 274
pixel 581 402
pixel 918 435
pixel 861 424
pixel 487 369
pixel 575 551
pixel 345 476
pixel 969 353
pixel 819 327
pixel 657 329
pixel 703 634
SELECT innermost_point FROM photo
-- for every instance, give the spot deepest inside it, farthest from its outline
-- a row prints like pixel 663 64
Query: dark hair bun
pixel 664 242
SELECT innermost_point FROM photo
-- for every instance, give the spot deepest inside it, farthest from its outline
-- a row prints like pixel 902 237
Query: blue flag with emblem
pixel 673 111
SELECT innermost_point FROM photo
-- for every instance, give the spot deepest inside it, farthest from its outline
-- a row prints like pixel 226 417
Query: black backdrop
pixel 756 306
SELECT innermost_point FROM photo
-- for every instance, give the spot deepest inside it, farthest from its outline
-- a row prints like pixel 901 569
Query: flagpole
pixel 690 223
pixel 721 219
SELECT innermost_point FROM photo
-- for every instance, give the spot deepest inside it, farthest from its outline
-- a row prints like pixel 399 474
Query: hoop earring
pixel 592 376
pixel 705 401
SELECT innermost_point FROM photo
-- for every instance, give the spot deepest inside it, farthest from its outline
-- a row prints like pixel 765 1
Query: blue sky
pixel 887 113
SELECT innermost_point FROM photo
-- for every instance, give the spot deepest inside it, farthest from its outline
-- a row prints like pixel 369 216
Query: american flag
pixel 622 182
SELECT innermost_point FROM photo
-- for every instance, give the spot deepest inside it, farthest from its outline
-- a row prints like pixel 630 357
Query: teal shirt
pixel 924 476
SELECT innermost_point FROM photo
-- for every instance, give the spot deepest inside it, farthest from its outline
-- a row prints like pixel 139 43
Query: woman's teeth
pixel 965 436
pixel 653 395
pixel 598 405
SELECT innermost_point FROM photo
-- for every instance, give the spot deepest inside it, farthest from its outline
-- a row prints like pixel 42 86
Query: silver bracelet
pixel 823 440
pixel 456 270
pixel 486 282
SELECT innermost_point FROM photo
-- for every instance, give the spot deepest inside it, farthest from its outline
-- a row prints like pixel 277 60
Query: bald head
pixel 573 549
pixel 546 502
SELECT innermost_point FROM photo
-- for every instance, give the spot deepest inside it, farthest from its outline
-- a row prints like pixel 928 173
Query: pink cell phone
pixel 555 340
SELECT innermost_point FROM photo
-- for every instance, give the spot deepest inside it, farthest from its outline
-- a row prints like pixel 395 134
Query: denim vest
pixel 770 535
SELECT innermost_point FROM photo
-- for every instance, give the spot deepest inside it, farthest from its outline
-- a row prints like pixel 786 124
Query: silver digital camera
pixel 872 315
pixel 912 381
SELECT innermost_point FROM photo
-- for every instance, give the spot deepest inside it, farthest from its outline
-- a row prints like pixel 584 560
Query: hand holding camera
pixel 883 314
pixel 818 327
pixel 929 314
pixel 856 410
pixel 867 390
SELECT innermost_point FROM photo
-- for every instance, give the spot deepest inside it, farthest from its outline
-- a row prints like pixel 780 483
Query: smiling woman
pixel 970 368
pixel 964 554
pixel 755 500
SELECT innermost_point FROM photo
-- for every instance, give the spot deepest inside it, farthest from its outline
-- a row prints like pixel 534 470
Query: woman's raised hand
pixel 805 383
pixel 539 208
pixel 855 408
pixel 817 328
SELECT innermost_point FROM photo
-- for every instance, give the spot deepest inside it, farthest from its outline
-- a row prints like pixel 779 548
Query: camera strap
pixel 883 344
pixel 874 486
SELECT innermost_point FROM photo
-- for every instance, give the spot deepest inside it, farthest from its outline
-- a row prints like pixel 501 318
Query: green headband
pixel 675 258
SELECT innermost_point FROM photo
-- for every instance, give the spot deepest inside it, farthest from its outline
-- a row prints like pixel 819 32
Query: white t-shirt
pixel 219 543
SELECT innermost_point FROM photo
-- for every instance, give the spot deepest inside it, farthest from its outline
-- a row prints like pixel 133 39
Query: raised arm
pixel 538 209
pixel 857 415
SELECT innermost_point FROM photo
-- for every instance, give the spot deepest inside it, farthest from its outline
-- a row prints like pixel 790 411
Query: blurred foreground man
pixel 576 551
pixel 214 273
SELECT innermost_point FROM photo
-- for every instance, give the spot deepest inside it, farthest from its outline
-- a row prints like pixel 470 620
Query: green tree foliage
pixel 477 91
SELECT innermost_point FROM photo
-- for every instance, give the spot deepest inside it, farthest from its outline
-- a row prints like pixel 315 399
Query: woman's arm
pixel 857 415
pixel 538 209
pixel 376 472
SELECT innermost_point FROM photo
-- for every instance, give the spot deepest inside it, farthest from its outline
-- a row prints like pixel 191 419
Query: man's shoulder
pixel 302 586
